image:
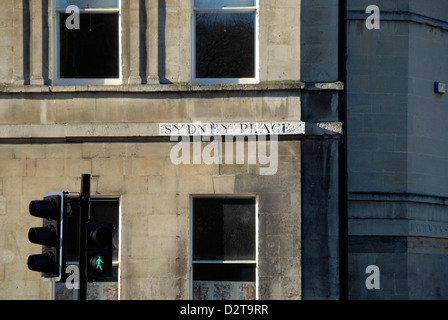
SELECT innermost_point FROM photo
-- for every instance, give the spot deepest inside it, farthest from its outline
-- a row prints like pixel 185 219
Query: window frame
pixel 253 197
pixel 245 9
pixel 57 80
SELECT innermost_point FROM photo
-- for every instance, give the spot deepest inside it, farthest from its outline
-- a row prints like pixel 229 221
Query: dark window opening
pixel 224 229
pixel 225 45
pixel 104 210
pixel 224 249
pixel 92 51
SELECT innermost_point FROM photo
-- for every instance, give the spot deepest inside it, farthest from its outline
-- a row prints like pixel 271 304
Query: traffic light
pixel 52 209
pixel 99 250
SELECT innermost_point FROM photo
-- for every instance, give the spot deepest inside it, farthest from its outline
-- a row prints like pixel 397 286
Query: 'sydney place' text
pixel 239 128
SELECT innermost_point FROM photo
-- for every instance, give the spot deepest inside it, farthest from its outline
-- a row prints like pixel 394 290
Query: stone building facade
pixel 328 151
pixel 106 100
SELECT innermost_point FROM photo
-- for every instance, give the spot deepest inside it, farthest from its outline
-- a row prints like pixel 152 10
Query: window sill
pixel 183 87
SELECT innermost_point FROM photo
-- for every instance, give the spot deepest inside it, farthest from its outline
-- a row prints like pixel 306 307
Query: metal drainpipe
pixel 343 173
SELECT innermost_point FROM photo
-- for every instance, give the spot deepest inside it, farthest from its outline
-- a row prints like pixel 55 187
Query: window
pixel 224 242
pixel 104 210
pixel 225 41
pixel 90 54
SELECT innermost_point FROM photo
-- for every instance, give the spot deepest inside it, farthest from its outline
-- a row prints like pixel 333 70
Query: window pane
pixel 83 4
pixel 91 51
pixel 225 45
pixel 223 3
pixel 224 229
pixel 224 272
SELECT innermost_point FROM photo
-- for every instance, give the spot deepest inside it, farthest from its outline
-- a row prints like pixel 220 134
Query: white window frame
pixel 226 196
pixel 57 80
pixel 194 11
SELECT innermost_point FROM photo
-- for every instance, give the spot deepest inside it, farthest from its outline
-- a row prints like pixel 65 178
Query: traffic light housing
pixel 99 250
pixel 52 210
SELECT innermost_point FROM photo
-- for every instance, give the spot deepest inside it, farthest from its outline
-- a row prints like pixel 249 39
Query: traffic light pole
pixel 83 219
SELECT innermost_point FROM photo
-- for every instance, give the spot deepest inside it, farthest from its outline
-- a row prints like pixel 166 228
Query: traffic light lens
pixel 42 262
pixel 43 235
pixel 101 236
pixel 100 264
pixel 44 209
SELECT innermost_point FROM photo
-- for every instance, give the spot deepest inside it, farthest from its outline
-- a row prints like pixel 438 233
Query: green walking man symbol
pixel 98 263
